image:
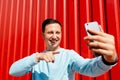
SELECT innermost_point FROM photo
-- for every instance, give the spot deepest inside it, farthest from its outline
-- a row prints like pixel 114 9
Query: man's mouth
pixel 53 41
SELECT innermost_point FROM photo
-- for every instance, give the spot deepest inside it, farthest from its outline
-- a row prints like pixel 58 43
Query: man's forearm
pixel 22 66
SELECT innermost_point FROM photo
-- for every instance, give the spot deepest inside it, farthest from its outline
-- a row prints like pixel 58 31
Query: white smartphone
pixel 92 25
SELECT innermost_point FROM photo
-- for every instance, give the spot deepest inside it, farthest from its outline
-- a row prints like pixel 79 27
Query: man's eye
pixel 57 32
pixel 50 32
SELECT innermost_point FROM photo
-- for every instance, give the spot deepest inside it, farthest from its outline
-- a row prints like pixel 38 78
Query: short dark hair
pixel 49 21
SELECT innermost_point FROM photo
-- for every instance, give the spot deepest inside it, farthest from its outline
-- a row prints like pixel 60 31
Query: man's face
pixel 52 36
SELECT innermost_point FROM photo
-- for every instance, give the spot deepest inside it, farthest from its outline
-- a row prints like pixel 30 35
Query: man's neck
pixel 53 49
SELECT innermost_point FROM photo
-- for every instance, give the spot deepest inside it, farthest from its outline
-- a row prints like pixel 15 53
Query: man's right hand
pixel 47 56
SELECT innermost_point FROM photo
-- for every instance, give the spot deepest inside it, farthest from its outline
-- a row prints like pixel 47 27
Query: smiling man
pixel 56 63
pixel 52 36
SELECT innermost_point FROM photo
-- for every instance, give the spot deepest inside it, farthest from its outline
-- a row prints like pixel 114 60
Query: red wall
pixel 20 29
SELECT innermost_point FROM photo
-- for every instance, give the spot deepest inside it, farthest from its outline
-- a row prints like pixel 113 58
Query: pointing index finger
pixel 56 52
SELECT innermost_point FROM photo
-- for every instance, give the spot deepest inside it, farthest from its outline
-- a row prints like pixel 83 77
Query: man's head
pixel 51 31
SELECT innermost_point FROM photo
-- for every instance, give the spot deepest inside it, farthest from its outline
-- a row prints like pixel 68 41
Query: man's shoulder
pixel 64 49
pixel 67 50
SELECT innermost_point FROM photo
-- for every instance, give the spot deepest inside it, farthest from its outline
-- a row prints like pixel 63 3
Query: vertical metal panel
pixel 20 29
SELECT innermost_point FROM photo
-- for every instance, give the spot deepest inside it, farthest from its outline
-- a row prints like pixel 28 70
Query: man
pixel 56 63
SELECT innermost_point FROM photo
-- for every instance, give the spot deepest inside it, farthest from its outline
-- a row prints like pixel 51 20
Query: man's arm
pixel 90 67
pixel 22 66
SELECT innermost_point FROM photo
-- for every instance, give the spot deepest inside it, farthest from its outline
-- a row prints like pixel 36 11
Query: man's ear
pixel 43 35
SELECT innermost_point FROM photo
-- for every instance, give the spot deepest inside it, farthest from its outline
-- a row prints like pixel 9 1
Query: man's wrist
pixel 37 59
pixel 109 63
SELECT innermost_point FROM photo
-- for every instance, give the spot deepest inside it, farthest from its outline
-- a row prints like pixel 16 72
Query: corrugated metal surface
pixel 20 29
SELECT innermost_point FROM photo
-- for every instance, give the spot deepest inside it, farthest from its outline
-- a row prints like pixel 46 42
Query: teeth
pixel 53 41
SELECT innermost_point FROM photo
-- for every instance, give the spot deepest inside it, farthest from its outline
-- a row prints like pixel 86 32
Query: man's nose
pixel 54 36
